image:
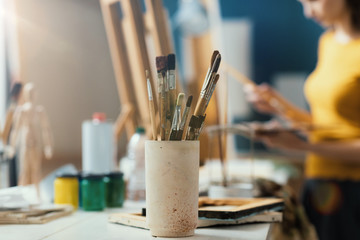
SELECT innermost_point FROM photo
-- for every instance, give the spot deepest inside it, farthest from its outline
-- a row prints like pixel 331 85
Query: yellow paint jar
pixel 66 190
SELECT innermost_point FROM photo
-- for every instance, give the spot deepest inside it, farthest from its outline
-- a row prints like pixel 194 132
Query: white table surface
pixel 94 225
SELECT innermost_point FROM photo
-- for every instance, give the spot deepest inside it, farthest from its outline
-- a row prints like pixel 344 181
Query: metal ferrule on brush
pixel 149 90
pixel 172 80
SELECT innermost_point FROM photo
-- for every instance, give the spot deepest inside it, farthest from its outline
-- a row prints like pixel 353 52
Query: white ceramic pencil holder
pixel 172 187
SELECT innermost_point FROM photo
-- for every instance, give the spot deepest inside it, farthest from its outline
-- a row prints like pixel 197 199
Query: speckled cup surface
pixel 172 187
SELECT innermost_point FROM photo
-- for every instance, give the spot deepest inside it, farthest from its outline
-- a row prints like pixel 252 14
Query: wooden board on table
pixel 139 221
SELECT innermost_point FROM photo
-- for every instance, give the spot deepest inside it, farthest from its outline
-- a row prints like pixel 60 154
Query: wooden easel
pixel 119 56
pixel 126 33
pixel 156 19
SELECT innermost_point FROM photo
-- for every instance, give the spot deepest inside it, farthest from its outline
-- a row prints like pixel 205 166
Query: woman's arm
pixel 347 152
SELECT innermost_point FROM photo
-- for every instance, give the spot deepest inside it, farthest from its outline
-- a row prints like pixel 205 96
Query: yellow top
pixel 333 92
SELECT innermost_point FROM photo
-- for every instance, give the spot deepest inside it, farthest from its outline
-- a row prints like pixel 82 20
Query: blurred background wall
pixel 63 50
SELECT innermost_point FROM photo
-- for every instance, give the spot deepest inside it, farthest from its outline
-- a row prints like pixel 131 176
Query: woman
pixel 331 194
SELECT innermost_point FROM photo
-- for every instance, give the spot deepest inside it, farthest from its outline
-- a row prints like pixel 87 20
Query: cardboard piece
pixel 34 215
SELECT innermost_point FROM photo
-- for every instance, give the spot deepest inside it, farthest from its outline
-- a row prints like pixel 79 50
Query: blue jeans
pixel 333 207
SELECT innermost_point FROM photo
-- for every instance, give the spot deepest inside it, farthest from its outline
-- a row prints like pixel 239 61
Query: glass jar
pixel 114 189
pixel 136 154
pixel 93 192
pixel 67 190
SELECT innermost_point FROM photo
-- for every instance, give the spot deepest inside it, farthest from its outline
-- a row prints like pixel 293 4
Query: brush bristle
pixel 213 57
pixel 161 63
pixel 171 61
pixel 189 100
pixel 147 74
pixel 180 98
pixel 217 62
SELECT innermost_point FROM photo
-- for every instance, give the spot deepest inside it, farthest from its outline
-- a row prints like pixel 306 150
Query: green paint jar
pixel 93 192
pixel 114 189
pixel 79 177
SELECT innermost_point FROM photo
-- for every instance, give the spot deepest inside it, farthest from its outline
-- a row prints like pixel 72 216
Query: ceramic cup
pixel 172 187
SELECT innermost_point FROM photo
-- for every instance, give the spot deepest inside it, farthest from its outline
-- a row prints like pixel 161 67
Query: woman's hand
pixel 267 100
pixel 263 97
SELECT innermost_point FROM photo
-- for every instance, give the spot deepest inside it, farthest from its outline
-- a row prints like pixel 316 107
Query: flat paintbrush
pixel 214 66
pixel 171 77
pixel 151 106
pixel 161 71
pixel 202 101
pixel 184 118
pixel 208 73
pixel 197 119
pixel 176 118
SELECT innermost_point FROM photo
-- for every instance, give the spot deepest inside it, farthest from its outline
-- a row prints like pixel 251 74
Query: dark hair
pixel 354 8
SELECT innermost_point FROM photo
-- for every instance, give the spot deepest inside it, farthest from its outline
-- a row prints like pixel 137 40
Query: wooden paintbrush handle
pixel 172 94
pixel 162 118
pixel 200 107
pixel 152 119
pixel 238 75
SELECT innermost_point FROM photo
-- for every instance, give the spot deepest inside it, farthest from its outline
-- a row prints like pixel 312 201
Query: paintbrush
pixel 202 101
pixel 214 66
pixel 176 118
pixel 168 112
pixel 213 57
pixel 151 106
pixel 184 118
pixel 161 71
pixel 171 77
pixel 197 119
pixel 238 75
